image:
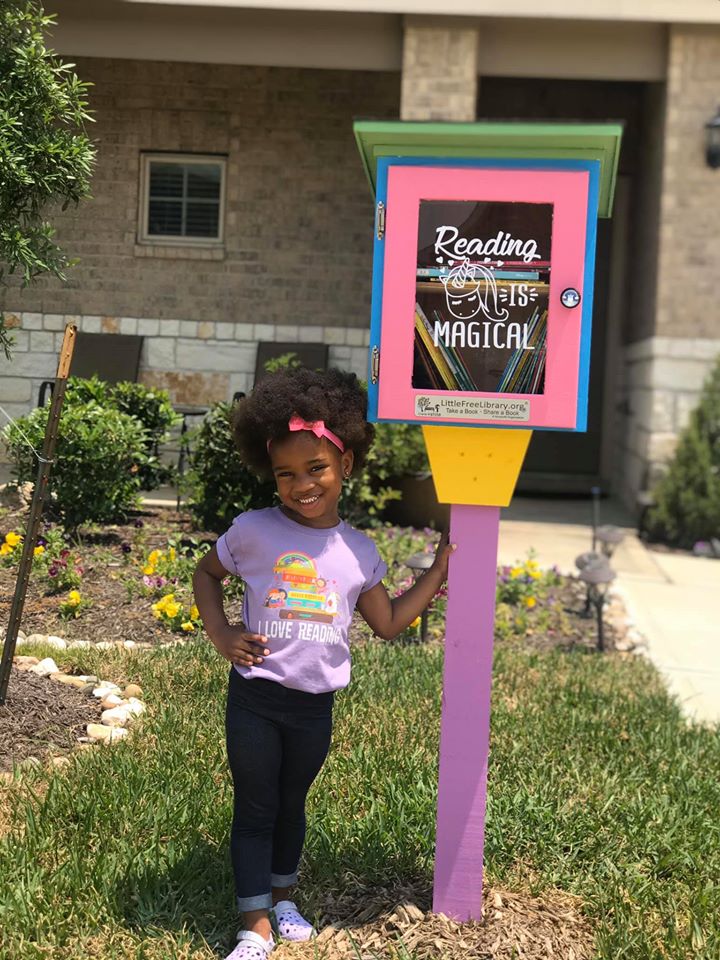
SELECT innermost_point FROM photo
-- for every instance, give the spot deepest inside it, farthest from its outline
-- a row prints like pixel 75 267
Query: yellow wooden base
pixel 475 465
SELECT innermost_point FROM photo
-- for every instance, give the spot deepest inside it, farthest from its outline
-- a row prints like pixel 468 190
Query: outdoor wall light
pixel 419 563
pixel 712 141
pixel 598 576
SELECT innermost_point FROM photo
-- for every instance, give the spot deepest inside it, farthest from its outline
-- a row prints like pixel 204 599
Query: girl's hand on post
pixel 444 551
pixel 237 645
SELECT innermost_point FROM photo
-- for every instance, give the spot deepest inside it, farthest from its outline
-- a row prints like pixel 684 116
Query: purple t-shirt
pixel 301 587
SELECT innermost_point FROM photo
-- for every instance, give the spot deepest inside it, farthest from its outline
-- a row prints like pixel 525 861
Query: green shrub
pixel 97 461
pixel 155 412
pixel 219 486
pixel 687 497
pixel 151 407
pixel 398 450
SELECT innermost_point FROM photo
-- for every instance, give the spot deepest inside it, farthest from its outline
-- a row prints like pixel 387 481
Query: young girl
pixel 305 572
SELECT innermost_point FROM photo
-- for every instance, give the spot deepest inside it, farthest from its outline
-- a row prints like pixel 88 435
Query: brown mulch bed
pixel 114 615
pixel 516 926
pixel 41 716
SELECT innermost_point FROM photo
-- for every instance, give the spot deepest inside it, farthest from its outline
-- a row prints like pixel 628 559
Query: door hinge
pixel 374 365
pixel 380 220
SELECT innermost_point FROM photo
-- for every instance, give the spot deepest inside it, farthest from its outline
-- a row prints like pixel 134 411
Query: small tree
pixel 45 156
pixel 688 496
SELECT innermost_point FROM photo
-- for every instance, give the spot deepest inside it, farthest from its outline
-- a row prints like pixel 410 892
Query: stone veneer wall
pixel 199 362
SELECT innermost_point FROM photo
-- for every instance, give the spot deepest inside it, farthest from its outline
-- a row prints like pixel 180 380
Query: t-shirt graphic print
pixel 301 587
pixel 298 593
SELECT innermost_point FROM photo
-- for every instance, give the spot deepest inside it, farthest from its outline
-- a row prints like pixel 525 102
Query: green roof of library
pixel 507 140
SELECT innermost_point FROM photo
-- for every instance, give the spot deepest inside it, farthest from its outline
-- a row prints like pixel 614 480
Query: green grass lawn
pixel 597 787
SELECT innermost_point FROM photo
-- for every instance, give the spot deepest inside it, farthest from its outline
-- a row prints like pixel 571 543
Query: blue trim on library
pixel 593 169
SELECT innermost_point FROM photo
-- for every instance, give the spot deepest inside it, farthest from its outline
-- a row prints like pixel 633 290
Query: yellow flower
pixel 194 613
pixel 154 557
pixel 535 574
pixel 164 601
pixel 530 602
pixel 416 622
pixel 12 538
pixel 171 553
pixel 156 612
pixel 5 549
pixel 149 570
pixel 38 551
pixel 74 598
pixel 171 609
pixel 516 572
pixel 187 626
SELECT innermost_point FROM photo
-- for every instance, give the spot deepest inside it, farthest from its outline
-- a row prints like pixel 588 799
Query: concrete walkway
pixel 673 599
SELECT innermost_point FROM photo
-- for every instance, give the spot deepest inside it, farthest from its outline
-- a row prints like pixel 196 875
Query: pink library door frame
pixel 567 191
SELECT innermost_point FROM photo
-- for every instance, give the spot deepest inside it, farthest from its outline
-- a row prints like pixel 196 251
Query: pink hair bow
pixel 317 427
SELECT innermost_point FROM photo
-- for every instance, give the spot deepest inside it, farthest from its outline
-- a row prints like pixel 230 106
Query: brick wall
pixel 689 255
pixel 676 341
pixel 296 262
pixel 439 75
pixel 299 212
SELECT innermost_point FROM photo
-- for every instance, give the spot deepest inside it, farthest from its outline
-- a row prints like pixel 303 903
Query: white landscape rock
pixel 111 700
pixel 115 716
pixel 104 689
pixel 135 706
pixel 45 667
pixel 24 663
pixel 103 645
pixel 36 638
pixel 99 731
pixel 56 642
pixel 129 644
pixel 79 644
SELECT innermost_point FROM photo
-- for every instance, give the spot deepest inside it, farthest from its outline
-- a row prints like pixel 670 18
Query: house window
pixel 182 199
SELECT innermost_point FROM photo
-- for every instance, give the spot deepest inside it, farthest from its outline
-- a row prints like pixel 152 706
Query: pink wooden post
pixel 465 726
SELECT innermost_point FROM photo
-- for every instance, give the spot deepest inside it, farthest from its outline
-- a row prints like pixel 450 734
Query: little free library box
pixel 481 308
pixel 483 270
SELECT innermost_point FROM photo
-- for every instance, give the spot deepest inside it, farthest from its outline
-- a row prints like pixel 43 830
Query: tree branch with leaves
pixel 46 157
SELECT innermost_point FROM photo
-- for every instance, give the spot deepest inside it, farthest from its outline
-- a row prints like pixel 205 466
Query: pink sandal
pixel 251 946
pixel 291 925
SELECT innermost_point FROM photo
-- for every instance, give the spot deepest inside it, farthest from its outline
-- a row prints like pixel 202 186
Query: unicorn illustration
pixel 465 299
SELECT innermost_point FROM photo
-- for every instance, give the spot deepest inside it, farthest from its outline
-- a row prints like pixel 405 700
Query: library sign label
pixel 469 323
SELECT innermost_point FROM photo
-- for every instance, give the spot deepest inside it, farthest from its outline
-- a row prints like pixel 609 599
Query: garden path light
pixel 609 539
pixel 598 576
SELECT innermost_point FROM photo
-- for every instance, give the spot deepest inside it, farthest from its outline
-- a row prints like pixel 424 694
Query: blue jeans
pixel 277 740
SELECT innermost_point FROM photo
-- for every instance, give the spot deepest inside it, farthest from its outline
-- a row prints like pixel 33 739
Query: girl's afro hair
pixel 334 396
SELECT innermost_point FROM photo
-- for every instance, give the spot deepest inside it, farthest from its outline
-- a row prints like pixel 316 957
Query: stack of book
pixel 525 370
pixel 444 366
pixel 447 370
